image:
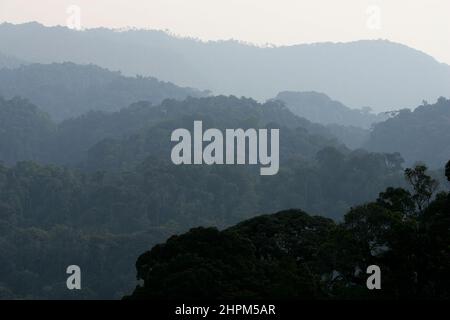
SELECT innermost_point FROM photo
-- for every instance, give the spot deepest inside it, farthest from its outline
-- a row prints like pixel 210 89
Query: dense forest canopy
pixel 86 176
pixel 292 255
pixel 25 131
pixel 122 194
pixel 66 90
pixel 312 161
pixel 148 128
pixel 419 135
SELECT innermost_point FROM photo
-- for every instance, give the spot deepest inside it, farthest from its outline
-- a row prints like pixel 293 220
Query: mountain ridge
pixel 320 108
pixel 377 73
pixel 66 90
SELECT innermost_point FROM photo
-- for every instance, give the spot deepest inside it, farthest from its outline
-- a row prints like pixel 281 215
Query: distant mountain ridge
pixel 318 107
pixel 376 73
pixel 66 90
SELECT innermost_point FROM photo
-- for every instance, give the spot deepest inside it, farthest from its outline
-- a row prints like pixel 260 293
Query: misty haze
pixel 358 176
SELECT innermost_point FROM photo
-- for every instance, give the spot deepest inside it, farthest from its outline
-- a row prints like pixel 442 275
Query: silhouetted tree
pixel 423 185
pixel 447 171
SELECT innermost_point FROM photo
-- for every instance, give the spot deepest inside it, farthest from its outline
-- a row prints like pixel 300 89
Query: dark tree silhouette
pixel 423 185
pixel 447 170
pixel 291 254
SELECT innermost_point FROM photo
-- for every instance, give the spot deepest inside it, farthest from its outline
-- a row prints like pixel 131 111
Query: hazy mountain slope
pixel 67 90
pixel 144 129
pixel 318 107
pixel 24 131
pixel 420 135
pixel 298 136
pixel 10 62
pixel 379 74
pixel 353 137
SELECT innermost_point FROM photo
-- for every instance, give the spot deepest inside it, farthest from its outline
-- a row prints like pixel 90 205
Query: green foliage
pixel 423 185
pixel 419 135
pixel 118 194
pixel 132 210
pixel 397 200
pixel 137 139
pixel 293 255
pixel 142 129
pixel 121 186
pixel 253 260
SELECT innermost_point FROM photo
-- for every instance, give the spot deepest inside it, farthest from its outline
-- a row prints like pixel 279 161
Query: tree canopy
pixel 419 135
pixel 293 255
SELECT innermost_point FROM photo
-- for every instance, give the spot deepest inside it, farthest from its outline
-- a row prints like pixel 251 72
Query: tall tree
pixel 423 185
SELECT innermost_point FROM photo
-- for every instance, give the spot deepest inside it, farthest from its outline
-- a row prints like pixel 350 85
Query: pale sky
pixel 421 24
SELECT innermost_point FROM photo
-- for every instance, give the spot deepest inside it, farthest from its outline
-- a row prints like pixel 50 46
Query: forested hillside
pixel 24 131
pixel 145 130
pixel 292 255
pixel 86 175
pixel 379 74
pixel 298 136
pixel 350 126
pixel 419 135
pixel 319 108
pixel 103 220
pixel 124 140
pixel 66 90
pixel 121 194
